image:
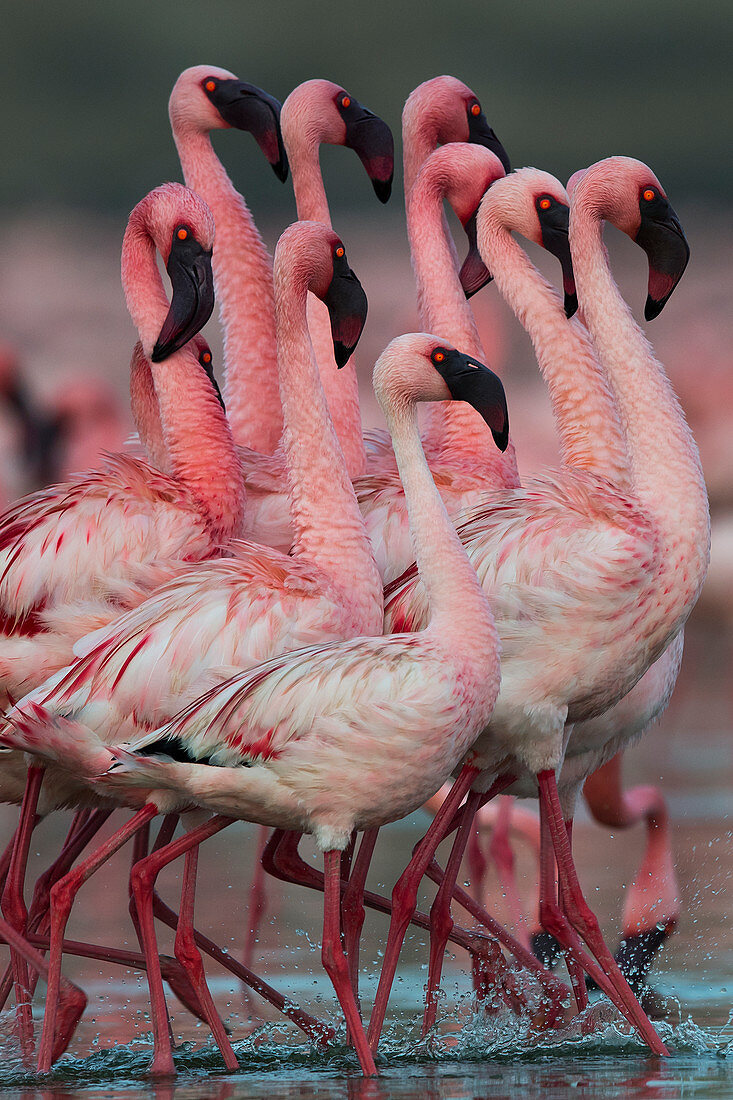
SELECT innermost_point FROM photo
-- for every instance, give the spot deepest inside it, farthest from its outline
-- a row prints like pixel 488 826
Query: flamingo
pixel 577 560
pixel 237 611
pixel 77 552
pixel 314 727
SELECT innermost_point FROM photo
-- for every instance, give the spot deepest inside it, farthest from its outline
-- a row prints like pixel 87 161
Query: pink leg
pixel 62 899
pixel 14 908
pixel 189 957
pixel 352 906
pixel 72 1001
pixel 477 865
pixel 142 880
pixel 335 963
pixel 575 970
pixel 404 897
pixel 257 898
pixel 441 922
pixel 580 919
pixel 503 856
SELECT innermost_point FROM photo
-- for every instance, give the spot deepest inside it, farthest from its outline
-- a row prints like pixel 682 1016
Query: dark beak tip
pixel 382 189
pixel 341 353
pixel 502 438
pixel 571 305
pixel 280 168
pixel 653 308
pixel 161 352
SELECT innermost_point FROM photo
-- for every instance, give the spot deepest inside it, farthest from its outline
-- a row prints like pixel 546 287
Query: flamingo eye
pixel 545 204
pixel 649 194
pixel 438 356
pixel 182 233
pixel 345 101
pixel 475 109
pixel 206 357
pixel 210 85
pixel 340 252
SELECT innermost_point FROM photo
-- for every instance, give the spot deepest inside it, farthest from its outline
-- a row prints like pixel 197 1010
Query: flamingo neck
pixel 454 433
pixel 145 410
pixel 328 525
pixel 341 387
pixel 458 608
pixel 665 462
pixel 196 433
pixel 243 278
pixel 589 426
pixel 419 140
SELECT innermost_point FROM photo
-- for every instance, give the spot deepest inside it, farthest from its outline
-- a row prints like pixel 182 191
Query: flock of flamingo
pixel 262 612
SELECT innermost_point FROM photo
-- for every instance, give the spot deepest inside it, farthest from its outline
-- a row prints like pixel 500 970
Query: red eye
pixel 439 357
pixel 340 252
pixel 649 194
pixel 346 102
pixel 181 233
pixel 545 204
pixel 210 85
pixel 476 109
pixel 207 357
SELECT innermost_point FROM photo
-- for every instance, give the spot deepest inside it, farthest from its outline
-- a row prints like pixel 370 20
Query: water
pixel 470 1056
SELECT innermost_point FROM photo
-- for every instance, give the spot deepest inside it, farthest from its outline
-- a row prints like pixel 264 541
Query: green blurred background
pixel 563 83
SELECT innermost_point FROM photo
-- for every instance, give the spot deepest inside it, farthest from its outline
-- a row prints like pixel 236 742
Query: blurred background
pixel 85 91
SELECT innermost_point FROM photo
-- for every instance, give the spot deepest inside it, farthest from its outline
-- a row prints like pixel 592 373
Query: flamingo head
pixel 446 110
pixel 206 362
pixel 206 97
pixel 460 173
pixel 316 250
pixel 420 367
pixel 626 192
pixel 535 204
pixel 181 227
pixel 320 111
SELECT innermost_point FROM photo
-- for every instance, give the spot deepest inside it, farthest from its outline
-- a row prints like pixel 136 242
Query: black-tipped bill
pixel 480 133
pixel 662 238
pixel 554 219
pixel 192 303
pixel 474 273
pixel 470 381
pixel 246 107
pixel 347 308
pixel 371 139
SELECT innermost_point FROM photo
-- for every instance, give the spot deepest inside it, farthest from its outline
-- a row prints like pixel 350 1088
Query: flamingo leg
pixel 477 865
pixel 189 957
pixel 352 906
pixel 404 897
pixel 14 907
pixel 578 920
pixel 575 970
pixel 441 922
pixel 71 1000
pixel 502 855
pixel 334 960
pixel 142 881
pixel 62 899
pixel 317 1032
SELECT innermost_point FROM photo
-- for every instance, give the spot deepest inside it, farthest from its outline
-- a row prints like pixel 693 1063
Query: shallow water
pixel 470 1056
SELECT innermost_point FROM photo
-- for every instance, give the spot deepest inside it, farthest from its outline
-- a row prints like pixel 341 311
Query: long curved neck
pixel 341 387
pixel 665 463
pixel 145 410
pixel 454 433
pixel 589 426
pixel 196 434
pixel 328 526
pixel 419 140
pixel 243 277
pixel 458 605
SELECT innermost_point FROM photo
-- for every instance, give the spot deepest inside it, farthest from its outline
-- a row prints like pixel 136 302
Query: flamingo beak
pixel 371 139
pixel 668 252
pixel 474 272
pixel 470 381
pixel 480 133
pixel 554 227
pixel 246 107
pixel 192 303
pixel 206 363
pixel 347 308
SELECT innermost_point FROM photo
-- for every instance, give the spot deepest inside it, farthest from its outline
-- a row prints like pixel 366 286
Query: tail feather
pixel 62 741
